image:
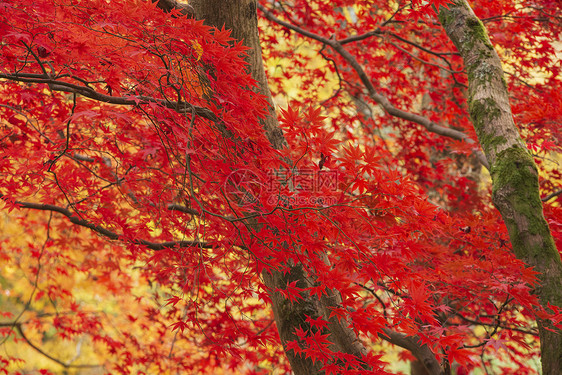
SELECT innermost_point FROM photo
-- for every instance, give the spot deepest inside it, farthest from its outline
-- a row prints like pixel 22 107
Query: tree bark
pixel 515 189
pixel 426 363
pixel 240 16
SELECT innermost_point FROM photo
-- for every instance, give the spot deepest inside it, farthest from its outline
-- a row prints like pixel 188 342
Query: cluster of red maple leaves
pixel 123 131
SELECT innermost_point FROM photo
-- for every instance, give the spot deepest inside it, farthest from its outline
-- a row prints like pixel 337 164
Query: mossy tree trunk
pixel 514 174
pixel 515 191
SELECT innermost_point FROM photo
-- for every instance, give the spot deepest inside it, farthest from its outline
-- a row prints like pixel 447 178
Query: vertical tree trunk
pixel 240 16
pixel 514 173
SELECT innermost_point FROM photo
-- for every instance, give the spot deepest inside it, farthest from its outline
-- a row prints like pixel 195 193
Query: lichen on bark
pixel 515 183
pixel 513 170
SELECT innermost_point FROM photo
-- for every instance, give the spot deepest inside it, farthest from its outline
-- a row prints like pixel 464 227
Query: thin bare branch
pixel 551 195
pixel 426 50
pixel 426 62
pixel 184 209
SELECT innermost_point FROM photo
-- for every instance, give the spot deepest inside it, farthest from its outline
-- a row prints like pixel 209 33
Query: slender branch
pixel 184 209
pixel 373 94
pixel 551 195
pixel 106 232
pixel 426 50
pixel 38 349
pixel 499 325
pixel 427 62
pixel 357 38
pixel 374 294
pixel 90 93
pixel 378 32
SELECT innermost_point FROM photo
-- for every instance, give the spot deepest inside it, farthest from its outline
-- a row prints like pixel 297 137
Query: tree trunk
pixel 417 368
pixel 514 173
pixel 240 16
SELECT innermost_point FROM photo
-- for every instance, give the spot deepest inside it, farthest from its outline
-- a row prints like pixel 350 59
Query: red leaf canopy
pixel 137 137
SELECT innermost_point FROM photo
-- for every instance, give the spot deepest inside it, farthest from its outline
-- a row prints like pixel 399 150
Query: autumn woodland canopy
pixel 276 187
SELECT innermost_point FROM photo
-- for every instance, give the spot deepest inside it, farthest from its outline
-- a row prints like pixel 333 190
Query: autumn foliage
pixel 142 201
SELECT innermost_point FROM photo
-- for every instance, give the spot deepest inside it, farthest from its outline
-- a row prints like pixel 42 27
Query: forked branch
pixel 373 94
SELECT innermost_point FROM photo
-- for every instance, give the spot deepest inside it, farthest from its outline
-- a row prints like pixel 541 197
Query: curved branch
pixel 88 92
pixel 373 94
pixel 420 47
pixel 184 209
pixel 106 232
pixel 421 352
pixel 551 195
pixel 358 38
pixel 39 350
